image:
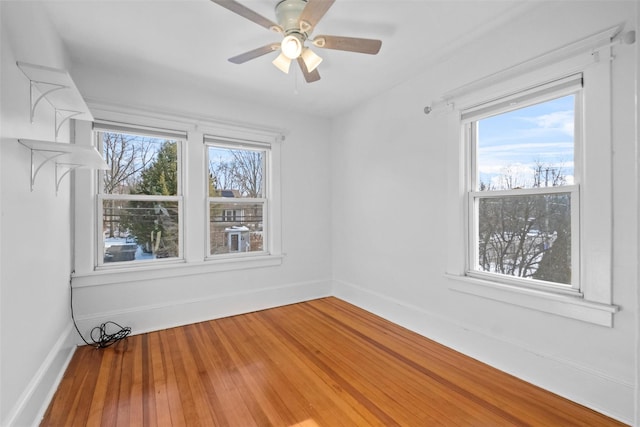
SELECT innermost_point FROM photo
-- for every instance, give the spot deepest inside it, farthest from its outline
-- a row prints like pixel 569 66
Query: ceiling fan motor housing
pixel 288 15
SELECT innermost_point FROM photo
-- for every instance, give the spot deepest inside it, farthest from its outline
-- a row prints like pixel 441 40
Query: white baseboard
pixel 596 390
pixel 177 313
pixel 32 404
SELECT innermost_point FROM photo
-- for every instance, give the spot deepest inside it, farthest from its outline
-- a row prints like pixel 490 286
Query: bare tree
pixel 242 171
pixel 127 157
pixel 249 172
pixel 548 176
pixel 517 232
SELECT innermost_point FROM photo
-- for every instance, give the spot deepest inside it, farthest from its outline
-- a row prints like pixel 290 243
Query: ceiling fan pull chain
pixel 296 91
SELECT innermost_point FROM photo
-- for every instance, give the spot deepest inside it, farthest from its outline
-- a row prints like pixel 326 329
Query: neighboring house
pixel 235 228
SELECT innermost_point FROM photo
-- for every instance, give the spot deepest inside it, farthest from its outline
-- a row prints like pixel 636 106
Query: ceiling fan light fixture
pixel 291 46
pixel 282 63
pixel 296 20
pixel 311 60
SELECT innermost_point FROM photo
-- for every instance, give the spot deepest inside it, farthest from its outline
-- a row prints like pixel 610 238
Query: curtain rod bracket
pixel 439 107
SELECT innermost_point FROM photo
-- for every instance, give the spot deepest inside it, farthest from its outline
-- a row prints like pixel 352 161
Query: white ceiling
pixel 194 38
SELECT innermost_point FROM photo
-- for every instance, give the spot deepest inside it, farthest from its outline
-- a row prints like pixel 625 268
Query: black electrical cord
pixel 103 339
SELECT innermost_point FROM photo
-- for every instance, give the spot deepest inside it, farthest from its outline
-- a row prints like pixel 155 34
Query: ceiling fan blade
pixel 309 77
pixel 350 44
pixel 313 12
pixel 252 54
pixel 245 12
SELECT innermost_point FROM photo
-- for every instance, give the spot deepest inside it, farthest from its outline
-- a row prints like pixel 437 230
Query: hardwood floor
pixel 318 363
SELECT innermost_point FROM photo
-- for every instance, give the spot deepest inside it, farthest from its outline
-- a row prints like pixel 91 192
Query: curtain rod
pixel 592 45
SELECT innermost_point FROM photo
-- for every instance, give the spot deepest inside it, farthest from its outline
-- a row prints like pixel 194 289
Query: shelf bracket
pixel 66 156
pixel 50 87
pixel 62 116
pixel 69 167
pixel 47 158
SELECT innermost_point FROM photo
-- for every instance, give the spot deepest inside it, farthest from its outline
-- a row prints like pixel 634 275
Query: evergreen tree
pixel 155 224
pixel 161 177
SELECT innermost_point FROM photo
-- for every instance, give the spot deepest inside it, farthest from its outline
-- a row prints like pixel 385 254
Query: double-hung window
pixel 530 191
pixel 238 197
pixel 139 195
pixel 177 199
pixel 524 187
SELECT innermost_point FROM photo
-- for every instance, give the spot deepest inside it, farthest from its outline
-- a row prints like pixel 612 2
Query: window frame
pixel 594 303
pixel 265 148
pixel 193 261
pixel 570 85
pixel 100 127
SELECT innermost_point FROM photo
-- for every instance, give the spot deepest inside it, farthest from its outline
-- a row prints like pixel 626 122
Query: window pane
pixel 236 227
pixel 527 148
pixel 140 230
pixel 139 164
pixel 526 236
pixel 236 173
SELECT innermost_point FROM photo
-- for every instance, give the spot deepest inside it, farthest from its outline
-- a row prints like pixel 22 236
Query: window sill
pixel 573 307
pixel 169 270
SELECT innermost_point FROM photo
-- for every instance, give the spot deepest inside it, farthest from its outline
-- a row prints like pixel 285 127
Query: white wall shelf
pixel 57 88
pixel 67 157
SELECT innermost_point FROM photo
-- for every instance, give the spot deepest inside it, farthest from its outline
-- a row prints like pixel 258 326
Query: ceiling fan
pixel 296 21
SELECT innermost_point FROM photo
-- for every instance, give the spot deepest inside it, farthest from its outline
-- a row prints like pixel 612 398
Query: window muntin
pixel 237 202
pixel 523 192
pixel 139 197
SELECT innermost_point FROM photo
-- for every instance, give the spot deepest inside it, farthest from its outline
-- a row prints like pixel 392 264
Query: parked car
pixel 120 251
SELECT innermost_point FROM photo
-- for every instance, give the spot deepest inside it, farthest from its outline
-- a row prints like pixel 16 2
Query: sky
pixel 515 141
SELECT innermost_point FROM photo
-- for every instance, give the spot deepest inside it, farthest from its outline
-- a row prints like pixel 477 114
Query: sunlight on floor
pixel 306 423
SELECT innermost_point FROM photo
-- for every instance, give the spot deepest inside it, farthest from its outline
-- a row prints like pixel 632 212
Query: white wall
pixel 389 218
pixel 376 182
pixel 305 272
pixel 637 138
pixel 35 324
pixel 36 231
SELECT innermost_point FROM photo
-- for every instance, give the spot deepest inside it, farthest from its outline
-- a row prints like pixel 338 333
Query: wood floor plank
pixel 172 382
pixel 532 402
pixel 321 351
pixel 148 406
pixel 102 388
pixel 209 394
pixel 343 355
pixel 250 389
pixel 70 402
pixel 158 391
pixel 317 392
pixel 233 408
pixel 319 363
pixel 126 390
pixel 440 386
